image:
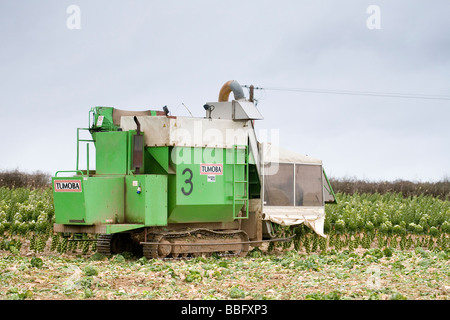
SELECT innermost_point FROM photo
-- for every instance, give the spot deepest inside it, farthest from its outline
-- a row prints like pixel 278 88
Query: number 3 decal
pixel 188 181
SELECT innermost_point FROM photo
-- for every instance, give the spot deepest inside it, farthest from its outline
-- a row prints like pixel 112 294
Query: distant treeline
pixel 440 189
pixel 17 179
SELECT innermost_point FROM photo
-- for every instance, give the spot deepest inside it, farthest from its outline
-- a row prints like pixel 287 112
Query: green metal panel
pixel 103 118
pixel 112 154
pixel 97 200
pixel 104 198
pixel 146 199
pixel 156 160
pixel 115 228
pixel 156 204
pixel 134 202
pixel 69 203
pixel 202 193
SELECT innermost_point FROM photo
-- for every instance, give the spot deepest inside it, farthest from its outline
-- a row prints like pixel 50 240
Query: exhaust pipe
pixel 229 86
pixel 138 148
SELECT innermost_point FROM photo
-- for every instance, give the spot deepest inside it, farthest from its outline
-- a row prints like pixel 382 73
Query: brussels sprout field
pixel 356 221
pixel 404 238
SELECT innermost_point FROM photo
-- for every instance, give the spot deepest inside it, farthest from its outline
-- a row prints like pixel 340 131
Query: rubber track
pixel 150 251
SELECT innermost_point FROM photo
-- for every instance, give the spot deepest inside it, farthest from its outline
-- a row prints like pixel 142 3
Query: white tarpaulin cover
pixel 273 153
pixel 312 216
pixel 189 132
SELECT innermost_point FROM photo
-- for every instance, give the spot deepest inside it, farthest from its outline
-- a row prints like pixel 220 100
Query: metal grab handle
pixel 56 174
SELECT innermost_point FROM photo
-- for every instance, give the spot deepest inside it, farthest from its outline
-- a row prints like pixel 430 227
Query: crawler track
pixel 195 242
pixel 109 244
pixel 181 244
pixel 104 244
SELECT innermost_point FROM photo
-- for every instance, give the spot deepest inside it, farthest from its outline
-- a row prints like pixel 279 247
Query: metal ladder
pixel 238 199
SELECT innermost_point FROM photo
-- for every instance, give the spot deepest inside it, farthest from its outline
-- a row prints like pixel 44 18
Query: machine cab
pixel 295 189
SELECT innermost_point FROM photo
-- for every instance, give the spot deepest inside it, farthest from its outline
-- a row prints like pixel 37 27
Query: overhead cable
pixel 356 93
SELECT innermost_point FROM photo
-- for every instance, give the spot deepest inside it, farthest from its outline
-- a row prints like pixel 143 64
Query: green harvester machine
pixel 166 186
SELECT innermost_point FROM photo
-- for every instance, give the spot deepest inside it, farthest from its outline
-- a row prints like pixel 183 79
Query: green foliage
pixel 358 220
pixel 340 226
pixel 36 262
pixel 12 245
pixel 15 294
pixel 446 226
pixel 398 296
pixel 389 214
pixel 90 270
pixel 387 221
pixel 255 253
pixel 285 275
pixel 335 295
pixel 237 293
pixel 387 252
pixel 118 258
pixel 24 210
pixel 193 276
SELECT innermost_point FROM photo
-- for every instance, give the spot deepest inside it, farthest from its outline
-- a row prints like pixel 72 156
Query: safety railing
pixel 87 149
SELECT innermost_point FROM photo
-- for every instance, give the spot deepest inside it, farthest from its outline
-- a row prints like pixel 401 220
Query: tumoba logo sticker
pixel 67 185
pixel 210 169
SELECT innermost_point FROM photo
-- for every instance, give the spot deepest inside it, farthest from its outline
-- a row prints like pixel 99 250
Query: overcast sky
pixel 141 55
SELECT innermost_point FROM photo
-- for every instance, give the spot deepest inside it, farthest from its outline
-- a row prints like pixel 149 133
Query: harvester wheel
pixel 164 248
